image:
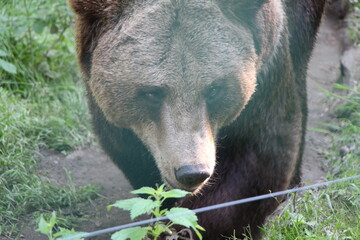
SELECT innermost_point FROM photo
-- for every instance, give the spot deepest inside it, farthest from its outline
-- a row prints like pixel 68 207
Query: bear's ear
pixel 93 18
pixel 97 8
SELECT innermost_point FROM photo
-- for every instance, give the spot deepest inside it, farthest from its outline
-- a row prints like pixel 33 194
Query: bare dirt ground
pixel 91 165
pixel 324 71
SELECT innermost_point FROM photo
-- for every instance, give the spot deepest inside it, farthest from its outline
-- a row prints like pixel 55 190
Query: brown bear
pixel 205 95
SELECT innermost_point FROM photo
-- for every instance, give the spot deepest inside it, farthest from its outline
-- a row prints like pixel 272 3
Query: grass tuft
pixel 42 106
pixel 332 212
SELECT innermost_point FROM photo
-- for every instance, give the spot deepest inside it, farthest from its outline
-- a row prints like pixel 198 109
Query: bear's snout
pixel 192 176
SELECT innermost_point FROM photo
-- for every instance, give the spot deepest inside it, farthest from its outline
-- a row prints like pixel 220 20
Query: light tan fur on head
pixel 176 72
pixel 178 139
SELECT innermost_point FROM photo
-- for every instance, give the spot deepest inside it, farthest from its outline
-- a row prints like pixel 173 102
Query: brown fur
pixel 171 83
pixel 93 18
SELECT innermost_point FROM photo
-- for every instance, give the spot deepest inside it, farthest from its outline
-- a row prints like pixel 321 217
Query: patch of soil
pixel 91 165
pixel 323 72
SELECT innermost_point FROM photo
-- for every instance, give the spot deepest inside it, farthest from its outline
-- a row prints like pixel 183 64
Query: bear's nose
pixel 192 175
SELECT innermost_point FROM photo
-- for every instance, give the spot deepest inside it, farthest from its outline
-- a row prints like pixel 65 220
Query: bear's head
pixel 176 71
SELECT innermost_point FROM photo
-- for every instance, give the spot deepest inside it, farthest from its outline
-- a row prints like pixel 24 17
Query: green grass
pixel 332 212
pixel 354 22
pixel 42 106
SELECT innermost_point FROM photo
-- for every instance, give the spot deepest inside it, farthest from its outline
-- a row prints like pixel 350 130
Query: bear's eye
pixel 214 93
pixel 152 96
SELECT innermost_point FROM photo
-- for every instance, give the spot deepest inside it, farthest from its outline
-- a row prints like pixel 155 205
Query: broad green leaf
pixel 39 26
pixel 175 193
pixel 54 29
pixel 135 233
pixel 126 204
pixel 145 206
pixel 136 206
pixel 9 67
pixel 53 219
pixel 187 218
pixel 144 190
pixel 43 226
pixel 63 233
pixel 183 216
pixel 3 53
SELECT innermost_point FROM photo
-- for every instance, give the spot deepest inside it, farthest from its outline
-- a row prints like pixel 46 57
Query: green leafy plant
pixel 48 228
pixel 331 212
pixel 36 40
pixel 152 205
pixel 5 65
pixel 42 107
pixel 353 22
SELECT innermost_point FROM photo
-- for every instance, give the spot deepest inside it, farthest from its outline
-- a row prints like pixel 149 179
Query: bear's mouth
pixel 174 186
pixel 169 183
